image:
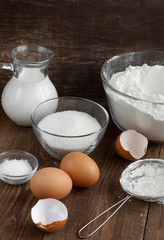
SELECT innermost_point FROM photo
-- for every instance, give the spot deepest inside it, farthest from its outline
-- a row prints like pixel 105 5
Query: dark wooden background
pixel 83 34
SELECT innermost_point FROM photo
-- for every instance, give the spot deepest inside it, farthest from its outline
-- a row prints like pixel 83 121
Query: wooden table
pixel 83 34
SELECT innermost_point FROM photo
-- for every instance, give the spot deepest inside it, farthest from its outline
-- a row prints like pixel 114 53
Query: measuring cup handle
pixel 7 66
pixel 121 202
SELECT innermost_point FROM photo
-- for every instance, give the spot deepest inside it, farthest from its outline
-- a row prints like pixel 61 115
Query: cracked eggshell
pixel 49 214
pixel 131 145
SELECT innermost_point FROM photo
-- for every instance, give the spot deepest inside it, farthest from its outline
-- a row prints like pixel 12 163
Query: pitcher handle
pixel 7 66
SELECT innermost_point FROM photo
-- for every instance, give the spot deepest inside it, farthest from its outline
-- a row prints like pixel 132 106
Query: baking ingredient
pixel 145 180
pixel 49 214
pixel 73 125
pixel 21 95
pixel 131 145
pixel 50 182
pixel 145 116
pixel 82 169
pixel 69 123
pixel 14 167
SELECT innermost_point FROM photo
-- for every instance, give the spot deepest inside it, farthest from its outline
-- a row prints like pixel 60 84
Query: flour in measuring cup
pixel 145 115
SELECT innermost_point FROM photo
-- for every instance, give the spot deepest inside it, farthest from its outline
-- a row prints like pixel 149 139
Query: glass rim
pixel 49 54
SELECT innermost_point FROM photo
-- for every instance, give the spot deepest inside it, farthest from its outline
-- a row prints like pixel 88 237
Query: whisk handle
pixel 121 202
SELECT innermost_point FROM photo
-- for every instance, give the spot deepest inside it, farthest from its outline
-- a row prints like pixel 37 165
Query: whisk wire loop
pixel 121 202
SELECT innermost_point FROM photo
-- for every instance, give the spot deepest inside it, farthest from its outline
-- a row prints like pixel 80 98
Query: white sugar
pixel 15 167
pixel 69 123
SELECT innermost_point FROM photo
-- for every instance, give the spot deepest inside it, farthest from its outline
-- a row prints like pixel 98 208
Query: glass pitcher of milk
pixel 30 84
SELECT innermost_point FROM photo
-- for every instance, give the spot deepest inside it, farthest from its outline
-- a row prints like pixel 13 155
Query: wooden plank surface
pixel 83 35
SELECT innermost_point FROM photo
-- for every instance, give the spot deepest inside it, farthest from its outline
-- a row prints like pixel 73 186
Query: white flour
pixel 142 82
pixel 146 180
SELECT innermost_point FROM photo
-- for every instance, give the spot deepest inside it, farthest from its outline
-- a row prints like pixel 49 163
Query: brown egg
pixel 82 169
pixel 131 145
pixel 49 214
pixel 50 183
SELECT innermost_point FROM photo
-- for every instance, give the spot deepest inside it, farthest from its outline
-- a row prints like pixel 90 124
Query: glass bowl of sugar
pixel 17 167
pixel 69 124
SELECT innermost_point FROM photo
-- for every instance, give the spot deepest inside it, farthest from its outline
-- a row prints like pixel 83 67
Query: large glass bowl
pixel 129 112
pixel 59 145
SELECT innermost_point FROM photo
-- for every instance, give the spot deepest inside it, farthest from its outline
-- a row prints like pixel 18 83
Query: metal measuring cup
pixel 127 181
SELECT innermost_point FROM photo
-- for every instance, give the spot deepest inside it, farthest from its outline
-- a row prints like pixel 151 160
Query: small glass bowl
pixel 58 145
pixel 18 155
pixel 127 111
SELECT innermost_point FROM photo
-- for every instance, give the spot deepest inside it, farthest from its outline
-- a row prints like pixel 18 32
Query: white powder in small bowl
pixel 15 167
pixel 70 124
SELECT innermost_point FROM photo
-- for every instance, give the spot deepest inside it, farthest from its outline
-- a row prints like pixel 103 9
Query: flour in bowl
pixel 142 108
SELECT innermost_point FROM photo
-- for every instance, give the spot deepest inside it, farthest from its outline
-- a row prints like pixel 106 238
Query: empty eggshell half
pixel 131 145
pixel 49 214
